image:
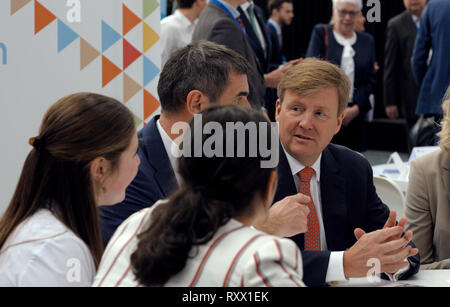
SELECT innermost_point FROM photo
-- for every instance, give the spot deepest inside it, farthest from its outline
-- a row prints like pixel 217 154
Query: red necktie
pixel 312 236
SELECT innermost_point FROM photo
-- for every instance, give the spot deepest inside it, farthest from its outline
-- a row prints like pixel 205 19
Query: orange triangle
pixel 151 104
pixel 42 17
pixel 109 71
pixel 130 20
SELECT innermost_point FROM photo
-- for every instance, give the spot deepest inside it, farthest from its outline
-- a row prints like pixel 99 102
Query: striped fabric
pixel 237 256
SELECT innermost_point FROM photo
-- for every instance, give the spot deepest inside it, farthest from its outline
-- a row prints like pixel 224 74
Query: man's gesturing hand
pixel 287 217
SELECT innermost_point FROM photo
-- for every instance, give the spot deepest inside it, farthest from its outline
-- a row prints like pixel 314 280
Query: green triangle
pixel 137 120
pixel 149 7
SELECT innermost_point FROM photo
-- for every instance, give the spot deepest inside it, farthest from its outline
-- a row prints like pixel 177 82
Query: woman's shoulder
pixel 42 250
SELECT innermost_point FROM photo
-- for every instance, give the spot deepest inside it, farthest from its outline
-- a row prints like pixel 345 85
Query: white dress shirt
pixel 176 32
pixel 347 60
pixel 335 270
pixel 171 148
pixel 42 251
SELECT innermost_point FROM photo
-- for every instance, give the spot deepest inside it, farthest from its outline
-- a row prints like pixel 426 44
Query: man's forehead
pixel 325 98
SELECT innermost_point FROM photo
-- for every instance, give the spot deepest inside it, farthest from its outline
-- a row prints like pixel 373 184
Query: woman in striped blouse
pixel 203 234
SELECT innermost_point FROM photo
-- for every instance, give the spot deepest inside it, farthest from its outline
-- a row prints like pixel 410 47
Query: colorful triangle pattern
pixel 150 71
pixel 109 36
pixel 130 20
pixel 42 17
pixel 130 54
pixel 109 71
pixel 87 54
pixel 65 36
pixel 16 5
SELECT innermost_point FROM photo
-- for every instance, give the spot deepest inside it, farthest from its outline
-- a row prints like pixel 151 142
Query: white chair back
pixel 390 194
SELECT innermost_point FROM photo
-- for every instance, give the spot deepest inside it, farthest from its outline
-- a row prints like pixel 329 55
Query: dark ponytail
pixel 214 190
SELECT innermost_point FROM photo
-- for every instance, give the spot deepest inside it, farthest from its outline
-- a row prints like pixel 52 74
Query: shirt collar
pixel 183 19
pixel 275 25
pixel 296 166
pixel 169 145
pixel 231 8
pixel 244 6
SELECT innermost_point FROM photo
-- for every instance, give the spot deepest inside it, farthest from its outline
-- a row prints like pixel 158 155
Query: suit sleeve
pixel 316 47
pixel 278 263
pixel 421 49
pixel 417 210
pixel 366 84
pixel 392 60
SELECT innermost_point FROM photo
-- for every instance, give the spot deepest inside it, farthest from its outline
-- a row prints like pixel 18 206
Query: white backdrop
pixel 112 50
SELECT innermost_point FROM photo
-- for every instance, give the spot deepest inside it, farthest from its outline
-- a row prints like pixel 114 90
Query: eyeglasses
pixel 343 13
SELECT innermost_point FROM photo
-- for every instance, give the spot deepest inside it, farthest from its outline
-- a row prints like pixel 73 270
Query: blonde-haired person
pixel 84 156
pixel 428 200
pixel 342 44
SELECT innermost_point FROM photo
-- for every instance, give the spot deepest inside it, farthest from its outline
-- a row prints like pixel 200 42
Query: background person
pixel 202 235
pixel 354 52
pixel 427 200
pixel 84 156
pixel 400 88
pixel 177 29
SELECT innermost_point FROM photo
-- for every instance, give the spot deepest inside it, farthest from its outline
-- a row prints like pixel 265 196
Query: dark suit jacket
pixel 155 180
pixel 215 25
pixel 277 51
pixel 263 57
pixel 364 61
pixel 433 80
pixel 398 81
pixel 349 201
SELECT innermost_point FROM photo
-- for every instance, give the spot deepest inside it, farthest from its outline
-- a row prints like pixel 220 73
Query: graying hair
pixel 358 3
pixel 201 65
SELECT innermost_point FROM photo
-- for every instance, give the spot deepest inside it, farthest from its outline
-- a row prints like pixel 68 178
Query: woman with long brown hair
pixel 84 157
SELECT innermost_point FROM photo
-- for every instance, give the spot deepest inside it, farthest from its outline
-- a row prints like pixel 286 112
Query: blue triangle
pixel 65 36
pixel 150 71
pixel 109 36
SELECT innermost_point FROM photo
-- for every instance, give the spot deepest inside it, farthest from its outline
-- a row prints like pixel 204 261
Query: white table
pixel 391 172
pixel 424 278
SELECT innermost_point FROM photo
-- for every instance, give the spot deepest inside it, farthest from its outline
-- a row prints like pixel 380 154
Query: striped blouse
pixel 237 256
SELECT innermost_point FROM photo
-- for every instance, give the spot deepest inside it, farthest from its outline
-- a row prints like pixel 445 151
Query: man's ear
pixel 340 119
pixel 277 109
pixel 196 101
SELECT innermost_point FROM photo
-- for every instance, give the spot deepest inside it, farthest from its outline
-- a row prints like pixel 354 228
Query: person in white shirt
pixel 177 29
pixel 85 156
pixel 203 235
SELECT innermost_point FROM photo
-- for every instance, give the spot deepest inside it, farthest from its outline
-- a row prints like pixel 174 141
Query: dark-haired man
pixel 194 77
pixel 177 29
pixel 281 14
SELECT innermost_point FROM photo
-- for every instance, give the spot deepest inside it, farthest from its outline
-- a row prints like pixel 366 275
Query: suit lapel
pixel 158 159
pixel 408 23
pixel 445 165
pixel 334 205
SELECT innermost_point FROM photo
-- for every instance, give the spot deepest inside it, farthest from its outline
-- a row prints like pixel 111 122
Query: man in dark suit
pixel 185 88
pixel 348 225
pixel 281 14
pixel 221 22
pixel 433 79
pixel 400 89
